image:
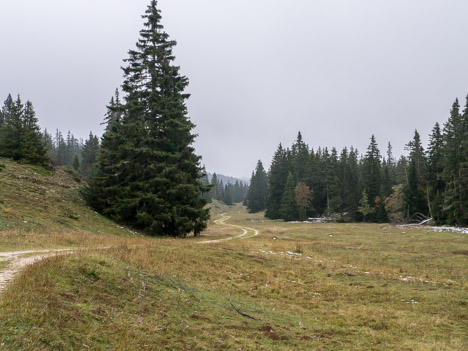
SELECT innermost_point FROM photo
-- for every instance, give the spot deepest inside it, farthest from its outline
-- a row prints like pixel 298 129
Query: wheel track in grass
pixel 17 262
pixel 222 221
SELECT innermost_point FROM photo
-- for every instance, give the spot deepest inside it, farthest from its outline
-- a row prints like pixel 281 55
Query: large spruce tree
pixel 148 175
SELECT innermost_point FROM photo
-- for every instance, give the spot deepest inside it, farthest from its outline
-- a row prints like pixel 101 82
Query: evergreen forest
pixel 430 182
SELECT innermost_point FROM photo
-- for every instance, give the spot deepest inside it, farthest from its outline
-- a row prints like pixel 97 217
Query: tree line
pixel 21 139
pixel 432 182
pixel 72 152
pixel 20 135
pixel 228 193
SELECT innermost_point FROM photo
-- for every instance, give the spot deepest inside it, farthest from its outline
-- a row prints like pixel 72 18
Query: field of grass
pixel 308 286
pixel 322 286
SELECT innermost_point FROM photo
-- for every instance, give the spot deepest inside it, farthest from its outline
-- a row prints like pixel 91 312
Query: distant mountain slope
pixel 228 179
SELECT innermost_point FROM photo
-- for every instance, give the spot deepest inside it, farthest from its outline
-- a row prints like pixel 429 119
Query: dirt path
pixel 17 262
pixel 222 221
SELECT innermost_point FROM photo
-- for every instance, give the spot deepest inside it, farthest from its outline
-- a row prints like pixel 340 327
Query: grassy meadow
pixel 307 286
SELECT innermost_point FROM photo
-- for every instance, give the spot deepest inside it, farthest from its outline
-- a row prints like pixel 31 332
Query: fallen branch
pixel 239 311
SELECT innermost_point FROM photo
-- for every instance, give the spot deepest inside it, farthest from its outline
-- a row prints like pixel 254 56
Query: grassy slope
pixel 40 208
pixel 365 287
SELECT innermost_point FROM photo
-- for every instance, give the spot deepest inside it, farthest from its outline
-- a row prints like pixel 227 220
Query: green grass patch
pixel 39 170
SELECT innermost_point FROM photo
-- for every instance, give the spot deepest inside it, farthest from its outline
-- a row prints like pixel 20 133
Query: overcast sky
pixel 259 70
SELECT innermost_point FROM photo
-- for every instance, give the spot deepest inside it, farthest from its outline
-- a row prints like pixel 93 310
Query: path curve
pixel 18 262
pixel 222 221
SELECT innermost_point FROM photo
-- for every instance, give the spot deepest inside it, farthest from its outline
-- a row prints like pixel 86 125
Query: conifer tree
pixel 388 173
pixel 277 178
pixel 205 181
pixel 6 114
pixel 453 175
pixel 61 147
pixel 256 197
pixel 371 172
pixel 299 157
pixel 12 129
pixel 148 175
pixel 413 194
pixel 464 167
pixel 414 191
pixel 227 195
pixel 76 163
pixel 33 149
pixel 315 179
pixel 49 145
pixel 215 187
pixel 89 155
pixel 333 183
pixel 364 206
pixel 435 168
pixel 401 170
pixel 380 211
pixel 288 200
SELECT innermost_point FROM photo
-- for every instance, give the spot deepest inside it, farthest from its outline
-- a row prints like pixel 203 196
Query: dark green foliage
pixel 288 201
pixel 20 136
pixel 76 163
pixel 349 184
pixel 371 171
pixel 277 178
pixel 381 215
pixel 148 175
pixel 315 179
pixel 455 173
pixel 89 155
pixel 389 174
pixel 12 129
pixel 238 191
pixel 256 196
pixel 227 195
pixel 413 194
pixel 217 190
pixel 401 170
pixel 348 187
pixel 415 190
pixel 299 156
pixel 435 168
pixel 33 149
pixel 205 181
